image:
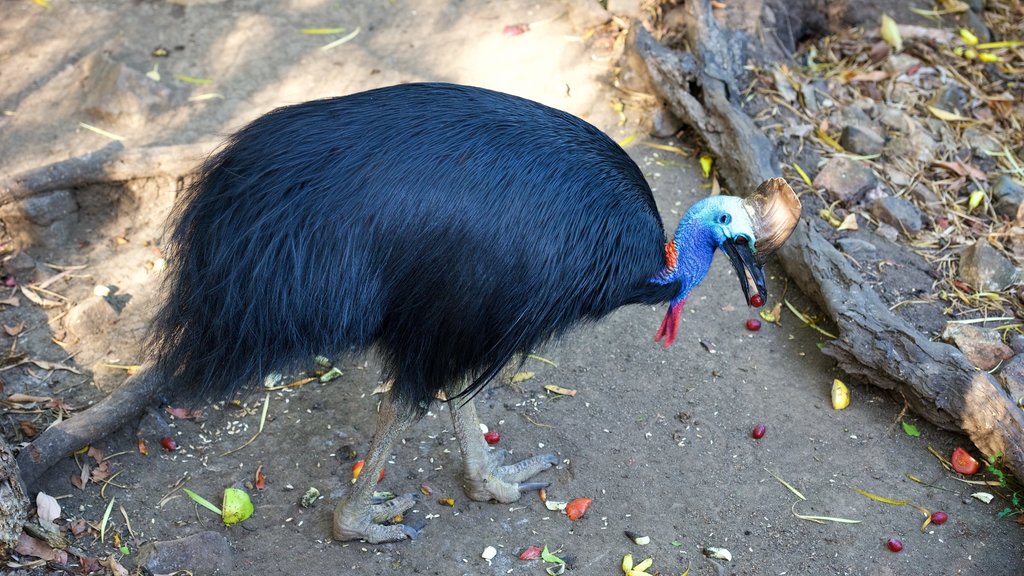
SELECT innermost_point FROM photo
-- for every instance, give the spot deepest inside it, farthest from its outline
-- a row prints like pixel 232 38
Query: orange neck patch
pixel 671 255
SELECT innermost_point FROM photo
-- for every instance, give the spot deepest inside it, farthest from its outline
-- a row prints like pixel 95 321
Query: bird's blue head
pixel 747 229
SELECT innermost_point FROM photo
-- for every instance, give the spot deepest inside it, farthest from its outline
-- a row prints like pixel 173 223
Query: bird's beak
pixel 743 260
pixel 774 210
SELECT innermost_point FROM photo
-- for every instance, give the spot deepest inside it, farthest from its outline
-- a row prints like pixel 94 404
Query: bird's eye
pixel 724 219
pixel 741 240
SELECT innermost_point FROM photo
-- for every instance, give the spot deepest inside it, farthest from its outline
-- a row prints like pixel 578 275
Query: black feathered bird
pixel 450 229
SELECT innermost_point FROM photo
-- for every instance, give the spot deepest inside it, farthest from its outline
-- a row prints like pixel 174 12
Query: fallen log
pixel 112 163
pixel 700 88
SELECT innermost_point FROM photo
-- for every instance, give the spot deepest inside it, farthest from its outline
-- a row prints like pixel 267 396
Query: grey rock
pixel 1009 198
pixel 981 141
pixel 201 553
pixel 20 264
pixel 1016 342
pixel 976 5
pixel 918 145
pixel 888 232
pixel 861 140
pixel 985 268
pixel 845 179
pixel 951 98
pixel 586 14
pixel 898 213
pixel 664 124
pixel 856 247
pixel 1011 375
pixel 982 346
pixel 91 317
pixel 900 63
pixel 45 220
pixel 923 194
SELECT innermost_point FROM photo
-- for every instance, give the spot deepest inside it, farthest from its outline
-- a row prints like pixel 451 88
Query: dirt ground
pixel 659 439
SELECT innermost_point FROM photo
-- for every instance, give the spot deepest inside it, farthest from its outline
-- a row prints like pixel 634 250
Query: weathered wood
pixel 13 503
pixel 112 163
pixel 935 378
pixel 91 425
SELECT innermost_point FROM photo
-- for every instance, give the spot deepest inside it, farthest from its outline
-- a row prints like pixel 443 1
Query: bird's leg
pixel 485 477
pixel 357 517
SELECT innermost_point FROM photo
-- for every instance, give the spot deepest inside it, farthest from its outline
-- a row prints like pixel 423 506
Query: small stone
pixel 856 247
pixel 664 124
pixel 986 269
pixel 898 213
pixel 951 98
pixel 982 346
pixel 1016 342
pixel 888 232
pixel 845 179
pixel 1009 198
pixel 45 220
pixel 923 194
pixel 901 63
pixel 117 94
pixel 202 553
pixel 586 14
pixel 975 5
pixel 981 141
pixel 91 317
pixel 860 140
pixel 1012 377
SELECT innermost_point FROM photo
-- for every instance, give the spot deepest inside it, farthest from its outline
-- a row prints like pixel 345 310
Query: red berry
pixel 169 443
pixel 756 301
pixel 753 324
pixel 758 432
pixel 894 544
pixel 492 437
pixel 939 518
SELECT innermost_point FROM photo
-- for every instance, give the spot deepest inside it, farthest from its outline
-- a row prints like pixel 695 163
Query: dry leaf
pixel 522 377
pixel 28 428
pixel 19 398
pixel 947 116
pixel 14 330
pixel 47 507
pixel 849 223
pixel 890 32
pixel 12 301
pixel 115 568
pixel 30 546
pixel 559 390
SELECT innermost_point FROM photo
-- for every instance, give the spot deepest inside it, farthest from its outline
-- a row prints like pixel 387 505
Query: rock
pixel 951 98
pixel 861 140
pixel 976 5
pixel 845 179
pixel 586 14
pixel 630 8
pixel 91 317
pixel 911 139
pixel 664 123
pixel 1012 377
pixel 923 194
pixel 888 232
pixel 1017 342
pixel 856 247
pixel 21 265
pixel 1008 195
pixel 982 346
pixel 117 94
pixel 153 426
pixel 45 220
pixel 899 214
pixel 981 141
pixel 900 63
pixel 201 553
pixel 986 269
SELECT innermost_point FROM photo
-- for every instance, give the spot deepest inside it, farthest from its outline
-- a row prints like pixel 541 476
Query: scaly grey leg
pixel 485 478
pixel 356 516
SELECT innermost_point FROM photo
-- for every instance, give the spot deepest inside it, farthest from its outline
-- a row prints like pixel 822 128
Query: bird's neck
pixel 687 256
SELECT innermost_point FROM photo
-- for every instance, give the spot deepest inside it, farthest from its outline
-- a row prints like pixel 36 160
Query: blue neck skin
pixel 695 248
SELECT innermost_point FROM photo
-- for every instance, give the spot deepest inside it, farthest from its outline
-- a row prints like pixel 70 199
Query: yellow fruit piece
pixel 840 395
pixel 627 563
pixel 705 164
pixel 968 37
pixel 890 32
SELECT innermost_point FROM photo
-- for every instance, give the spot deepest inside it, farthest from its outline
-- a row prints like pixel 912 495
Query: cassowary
pixel 447 228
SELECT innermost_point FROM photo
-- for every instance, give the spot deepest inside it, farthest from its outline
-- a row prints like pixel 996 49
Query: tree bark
pixel 935 378
pixel 13 503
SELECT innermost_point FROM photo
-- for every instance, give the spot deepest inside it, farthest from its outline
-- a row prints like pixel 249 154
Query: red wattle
pixel 670 325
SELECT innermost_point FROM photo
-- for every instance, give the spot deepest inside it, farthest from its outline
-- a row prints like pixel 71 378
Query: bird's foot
pixel 369 522
pixel 505 483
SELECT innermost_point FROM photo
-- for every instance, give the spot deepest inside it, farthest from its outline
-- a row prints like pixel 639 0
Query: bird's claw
pixel 507 483
pixel 368 524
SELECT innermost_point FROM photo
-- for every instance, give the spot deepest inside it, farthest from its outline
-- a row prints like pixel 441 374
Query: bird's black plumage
pixel 448 227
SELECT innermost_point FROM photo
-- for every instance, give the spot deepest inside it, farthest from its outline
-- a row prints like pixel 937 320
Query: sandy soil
pixel 659 439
